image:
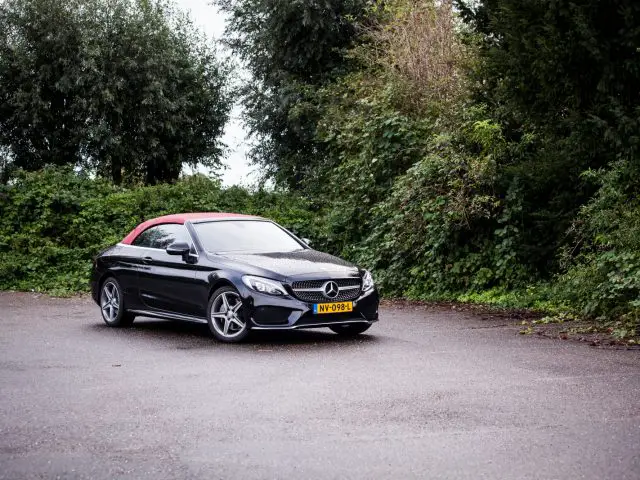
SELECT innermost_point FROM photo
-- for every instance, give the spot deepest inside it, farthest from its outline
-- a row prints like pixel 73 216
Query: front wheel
pixel 112 305
pixel 351 330
pixel 225 316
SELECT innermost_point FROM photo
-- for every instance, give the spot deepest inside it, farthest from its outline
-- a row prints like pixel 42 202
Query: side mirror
pixel 178 248
pixel 307 241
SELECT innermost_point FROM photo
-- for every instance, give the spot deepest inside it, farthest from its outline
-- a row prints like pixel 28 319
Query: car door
pixel 167 282
pixel 124 262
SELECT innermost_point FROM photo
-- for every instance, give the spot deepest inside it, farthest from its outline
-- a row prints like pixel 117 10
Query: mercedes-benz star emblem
pixel 330 289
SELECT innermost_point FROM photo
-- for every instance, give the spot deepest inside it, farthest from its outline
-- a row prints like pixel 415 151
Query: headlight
pixel 367 281
pixel 264 285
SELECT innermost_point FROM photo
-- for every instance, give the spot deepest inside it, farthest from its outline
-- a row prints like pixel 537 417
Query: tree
pixel 561 77
pixel 562 65
pixel 290 48
pixel 127 87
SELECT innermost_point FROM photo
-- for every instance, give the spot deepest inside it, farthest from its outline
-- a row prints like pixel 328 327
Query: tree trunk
pixel 116 170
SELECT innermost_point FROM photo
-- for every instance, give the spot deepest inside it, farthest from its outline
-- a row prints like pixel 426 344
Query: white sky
pixel 238 170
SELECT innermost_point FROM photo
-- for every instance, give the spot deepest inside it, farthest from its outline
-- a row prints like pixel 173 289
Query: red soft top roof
pixel 178 218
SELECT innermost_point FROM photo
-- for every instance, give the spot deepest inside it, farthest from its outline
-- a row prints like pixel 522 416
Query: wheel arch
pixel 100 282
pixel 105 276
pixel 218 283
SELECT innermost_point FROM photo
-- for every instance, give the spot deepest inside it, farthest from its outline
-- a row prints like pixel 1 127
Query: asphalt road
pixel 427 394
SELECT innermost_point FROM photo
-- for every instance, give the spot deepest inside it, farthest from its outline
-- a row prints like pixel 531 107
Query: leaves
pixel 127 88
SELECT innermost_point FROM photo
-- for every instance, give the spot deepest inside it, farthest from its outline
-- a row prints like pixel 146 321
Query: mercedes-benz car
pixel 235 272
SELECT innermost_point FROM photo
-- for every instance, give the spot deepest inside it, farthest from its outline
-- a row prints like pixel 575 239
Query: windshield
pixel 245 236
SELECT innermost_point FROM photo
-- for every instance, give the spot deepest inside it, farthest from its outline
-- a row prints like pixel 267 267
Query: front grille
pixel 342 282
pixel 318 296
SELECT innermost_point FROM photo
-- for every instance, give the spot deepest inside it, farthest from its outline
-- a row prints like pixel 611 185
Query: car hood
pixel 307 263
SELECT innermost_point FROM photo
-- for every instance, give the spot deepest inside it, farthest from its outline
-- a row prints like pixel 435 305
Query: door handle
pixel 147 259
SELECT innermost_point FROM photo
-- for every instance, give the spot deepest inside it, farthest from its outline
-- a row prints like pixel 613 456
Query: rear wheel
pixel 351 330
pixel 112 304
pixel 225 317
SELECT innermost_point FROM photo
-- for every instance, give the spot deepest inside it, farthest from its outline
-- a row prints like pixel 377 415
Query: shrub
pixel 602 270
pixel 55 221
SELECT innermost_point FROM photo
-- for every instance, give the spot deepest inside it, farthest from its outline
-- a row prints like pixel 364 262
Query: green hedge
pixel 55 221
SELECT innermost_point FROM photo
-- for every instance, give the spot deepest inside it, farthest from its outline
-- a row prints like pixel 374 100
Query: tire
pixel 351 330
pixel 227 327
pixel 112 304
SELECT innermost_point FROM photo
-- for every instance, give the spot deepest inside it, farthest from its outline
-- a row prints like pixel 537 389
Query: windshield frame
pixel 196 235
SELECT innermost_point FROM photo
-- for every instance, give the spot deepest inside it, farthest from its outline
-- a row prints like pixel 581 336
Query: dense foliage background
pixel 479 151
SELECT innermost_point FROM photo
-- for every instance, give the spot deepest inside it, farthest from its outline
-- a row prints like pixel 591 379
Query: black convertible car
pixel 234 272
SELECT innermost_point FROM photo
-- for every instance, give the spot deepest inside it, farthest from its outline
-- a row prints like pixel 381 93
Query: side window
pixel 161 236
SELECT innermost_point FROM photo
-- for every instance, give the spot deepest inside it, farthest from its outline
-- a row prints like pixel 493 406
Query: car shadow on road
pixel 196 336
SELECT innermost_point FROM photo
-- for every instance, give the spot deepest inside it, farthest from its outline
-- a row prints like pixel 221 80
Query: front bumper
pixel 266 312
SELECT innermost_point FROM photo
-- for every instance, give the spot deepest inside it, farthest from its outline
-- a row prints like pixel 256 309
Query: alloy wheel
pixel 110 301
pixel 225 315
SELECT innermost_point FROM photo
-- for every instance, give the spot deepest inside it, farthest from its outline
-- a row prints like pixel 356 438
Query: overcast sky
pixel 238 171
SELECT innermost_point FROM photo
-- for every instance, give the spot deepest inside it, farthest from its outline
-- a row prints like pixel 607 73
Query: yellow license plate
pixel 337 307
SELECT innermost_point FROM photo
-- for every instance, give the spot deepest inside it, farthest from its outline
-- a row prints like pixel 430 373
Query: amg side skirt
pixel 169 316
